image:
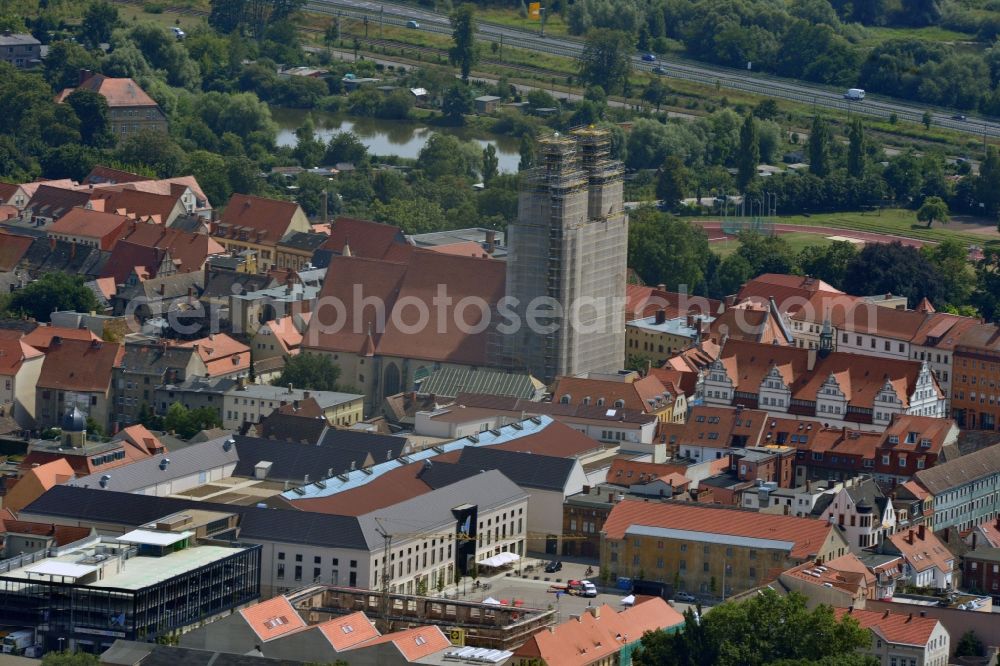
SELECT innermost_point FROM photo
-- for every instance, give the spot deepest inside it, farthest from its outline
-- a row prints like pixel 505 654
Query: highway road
pixel 759 84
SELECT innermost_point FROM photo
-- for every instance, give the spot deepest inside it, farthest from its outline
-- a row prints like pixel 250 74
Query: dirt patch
pixel 971 224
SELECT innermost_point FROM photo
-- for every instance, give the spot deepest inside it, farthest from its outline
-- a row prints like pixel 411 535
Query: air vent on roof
pixel 517 426
pixel 437 449
pixel 536 420
pixel 321 485
pixel 473 439
pixel 298 491
pixel 343 477
pixel 367 470
pixel 494 432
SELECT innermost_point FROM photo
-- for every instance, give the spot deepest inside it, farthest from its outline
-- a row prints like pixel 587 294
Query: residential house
pixel 966 490
pixel 861 510
pixel 296 250
pixel 843 582
pixel 296 297
pixel 790 292
pixel 381 352
pixel 20 50
pixel 601 636
pixel 20 367
pixel 149 250
pixel 147 364
pixel 50 202
pixel 928 562
pixel 130 109
pixel 629 391
pixel 250 403
pixel 841 389
pixel 221 355
pixel 981 571
pixel 913 504
pixel 711 431
pixel 258 224
pixel 645 301
pixel 899 639
pixel 153 207
pixel 43 337
pixel 48 255
pixel 975 400
pixel 88 454
pixel 35 482
pixel 89 227
pixel 77 373
pixel 910 444
pixel 753 321
pixel 174 294
pixel 279 338
pixel 708 549
pixel 657 338
pixel 20 537
pixel 984 534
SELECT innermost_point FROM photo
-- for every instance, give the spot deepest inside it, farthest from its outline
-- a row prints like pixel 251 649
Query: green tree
pixel 934 209
pixel 829 263
pixel 456 103
pixel 418 215
pixel 211 172
pixel 527 152
pixel 52 292
pixel 153 150
pixel 310 371
pixel 969 645
pixel 732 272
pixel 765 253
pixel 312 190
pixel 463 52
pixel 308 149
pixel 988 182
pixel 99 20
pixel 958 278
pixel 445 154
pixel 668 250
pixel 92 110
pixel 749 155
pixel 894 268
pixel 819 147
pixel 605 59
pixel 491 163
pixel 656 92
pixel 856 149
pixel 672 182
pixel 927 119
pixel 70 659
pixel 186 423
pixel 345 147
pixel 64 63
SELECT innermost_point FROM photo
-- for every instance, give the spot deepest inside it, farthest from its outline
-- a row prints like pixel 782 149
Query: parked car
pixel 855 94
pixel 686 597
pixel 649 57
pixel 553 566
pixel 659 69
pixel 412 24
pixel 178 33
pixel 958 116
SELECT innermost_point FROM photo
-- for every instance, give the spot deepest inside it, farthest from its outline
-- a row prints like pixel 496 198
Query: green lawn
pixel 554 25
pixel 899 222
pixel 929 34
pixel 797 241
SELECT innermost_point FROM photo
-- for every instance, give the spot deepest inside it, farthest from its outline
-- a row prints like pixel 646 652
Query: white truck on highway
pixel 855 94
pixel 17 641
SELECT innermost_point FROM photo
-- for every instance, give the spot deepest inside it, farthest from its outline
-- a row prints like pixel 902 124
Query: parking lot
pixel 534 589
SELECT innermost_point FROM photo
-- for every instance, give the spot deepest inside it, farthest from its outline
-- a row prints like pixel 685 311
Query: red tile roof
pixel 120 92
pixel 158 207
pixel 102 174
pixel 788 291
pixel 369 240
pixel 145 244
pixel 12 250
pixel 13 353
pixel 41 337
pixel 273 618
pixel 7 190
pixel 402 284
pixel 642 301
pixel 221 354
pixel 266 219
pixel 35 481
pixel 646 394
pixel 807 534
pixel 896 628
pixel 598 634
pixel 349 631
pixel 61 534
pixel 923 552
pixel 78 365
pixel 104 228
pixel 414 643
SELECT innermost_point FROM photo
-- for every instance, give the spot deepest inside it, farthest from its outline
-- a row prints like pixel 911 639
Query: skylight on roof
pixel 346 628
pixel 275 622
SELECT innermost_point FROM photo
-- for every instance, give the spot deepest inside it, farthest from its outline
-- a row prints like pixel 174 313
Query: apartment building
pixel 966 490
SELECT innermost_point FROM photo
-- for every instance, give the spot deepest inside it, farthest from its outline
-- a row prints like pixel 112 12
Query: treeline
pixel 669 250
pixel 818 40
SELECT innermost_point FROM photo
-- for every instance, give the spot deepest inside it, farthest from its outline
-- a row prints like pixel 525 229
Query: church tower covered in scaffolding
pixel 570 244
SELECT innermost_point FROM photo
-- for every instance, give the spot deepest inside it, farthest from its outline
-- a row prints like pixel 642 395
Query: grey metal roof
pixel 295 461
pixel 18 40
pixel 528 470
pixel 325 399
pixel 150 471
pixel 90 505
pixel 381 447
pixel 451 381
pixel 487 490
pixel 303 240
pixel 960 471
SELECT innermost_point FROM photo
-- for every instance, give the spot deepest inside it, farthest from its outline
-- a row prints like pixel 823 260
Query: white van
pixel 855 94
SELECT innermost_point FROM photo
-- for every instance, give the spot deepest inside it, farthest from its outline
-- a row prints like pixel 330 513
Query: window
pixel 281 556
pixel 298 557
pixel 298 572
pixel 704 566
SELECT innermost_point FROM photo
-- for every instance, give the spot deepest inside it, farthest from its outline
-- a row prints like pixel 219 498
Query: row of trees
pixel 670 250
pixel 804 39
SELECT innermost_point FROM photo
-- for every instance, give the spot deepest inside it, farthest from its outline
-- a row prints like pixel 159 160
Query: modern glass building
pixel 139 586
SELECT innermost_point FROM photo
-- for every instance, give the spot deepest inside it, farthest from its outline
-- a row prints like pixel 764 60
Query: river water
pixel 390 137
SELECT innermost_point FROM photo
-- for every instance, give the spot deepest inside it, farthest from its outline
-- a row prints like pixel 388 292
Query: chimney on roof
pixel 596 612
pixel 162 288
pixel 910 617
pixel 83 76
pixel 909 537
pixel 975 539
pixel 291 388
pixel 920 532
pixel 491 241
pixel 661 287
pixel 661 316
pixel 886 614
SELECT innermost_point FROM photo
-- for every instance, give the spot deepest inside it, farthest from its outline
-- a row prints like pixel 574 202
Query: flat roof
pixel 64 569
pixel 675 326
pixel 154 537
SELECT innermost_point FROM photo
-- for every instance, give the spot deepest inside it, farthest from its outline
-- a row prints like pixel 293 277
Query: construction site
pixel 569 245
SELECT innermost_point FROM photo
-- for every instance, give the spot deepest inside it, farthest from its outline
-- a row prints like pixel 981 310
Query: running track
pixel 714 230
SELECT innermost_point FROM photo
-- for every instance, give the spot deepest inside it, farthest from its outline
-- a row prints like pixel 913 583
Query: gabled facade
pixel 77 373
pixel 258 224
pixel 20 367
